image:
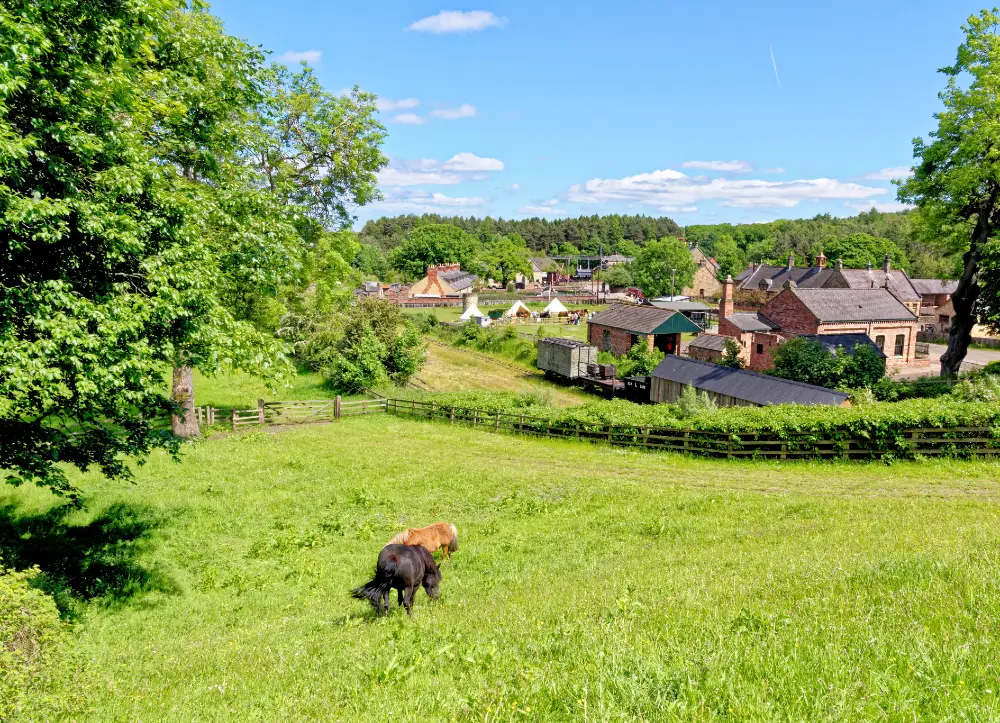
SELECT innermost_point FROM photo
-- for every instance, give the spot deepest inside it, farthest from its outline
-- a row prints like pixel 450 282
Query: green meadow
pixel 591 583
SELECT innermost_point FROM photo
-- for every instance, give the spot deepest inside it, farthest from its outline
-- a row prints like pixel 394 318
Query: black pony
pixel 404 568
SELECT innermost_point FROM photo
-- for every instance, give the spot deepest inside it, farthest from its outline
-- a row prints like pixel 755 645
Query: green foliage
pixel 639 360
pixel 375 347
pixel 39 671
pixel 652 268
pixel 503 258
pixel 371 262
pixel 730 257
pixel 857 250
pixel 731 356
pixel 430 244
pixel 692 403
pixel 808 361
pixel 618 276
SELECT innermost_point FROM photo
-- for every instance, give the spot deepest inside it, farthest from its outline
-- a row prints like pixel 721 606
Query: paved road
pixel 976 356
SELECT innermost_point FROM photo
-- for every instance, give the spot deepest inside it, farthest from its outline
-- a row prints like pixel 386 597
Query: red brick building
pixel 877 313
pixel 618 328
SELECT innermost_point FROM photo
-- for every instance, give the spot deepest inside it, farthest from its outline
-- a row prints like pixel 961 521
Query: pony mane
pixel 400 539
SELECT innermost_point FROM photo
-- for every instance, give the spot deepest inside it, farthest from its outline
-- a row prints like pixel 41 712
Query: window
pixel 880 342
pixel 701 292
pixel 607 340
pixel 760 348
pixel 900 344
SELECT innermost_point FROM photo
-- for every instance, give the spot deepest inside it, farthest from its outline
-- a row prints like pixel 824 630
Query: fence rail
pixel 897 443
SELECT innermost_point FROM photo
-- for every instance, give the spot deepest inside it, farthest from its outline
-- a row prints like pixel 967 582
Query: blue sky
pixel 520 109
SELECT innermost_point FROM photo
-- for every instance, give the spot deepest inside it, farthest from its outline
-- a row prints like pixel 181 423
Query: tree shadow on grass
pixel 99 560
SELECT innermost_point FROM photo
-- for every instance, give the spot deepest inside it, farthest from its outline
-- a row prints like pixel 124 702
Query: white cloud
pixel 884 206
pixel 417 201
pixel 409 119
pixel 457 21
pixel 887 174
pixel 472 162
pixel 542 210
pixel 776 169
pixel 513 187
pixel 430 172
pixel 671 189
pixel 463 111
pixel 387 105
pixel 293 57
pixel 729 166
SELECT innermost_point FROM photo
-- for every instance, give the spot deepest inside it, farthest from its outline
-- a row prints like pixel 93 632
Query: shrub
pixel 807 361
pixel 640 360
pixel 618 277
pixel 692 403
pixel 39 672
pixel 731 356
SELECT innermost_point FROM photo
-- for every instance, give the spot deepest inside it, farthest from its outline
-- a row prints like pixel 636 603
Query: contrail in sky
pixel 775 64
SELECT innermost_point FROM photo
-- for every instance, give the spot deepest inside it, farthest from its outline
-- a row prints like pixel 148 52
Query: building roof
pixel 544 263
pixel 751 321
pixel 617 259
pixel 772 278
pixel 685 305
pixel 564 341
pixel 645 320
pixel 831 305
pixel 713 342
pixel 458 279
pixel 849 342
pixel 899 282
pixel 742 384
pixel 700 257
pixel 934 286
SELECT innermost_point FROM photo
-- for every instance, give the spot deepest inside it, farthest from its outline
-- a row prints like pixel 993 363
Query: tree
pixel 860 368
pixel 956 182
pixel 618 276
pixel 503 258
pixel 433 243
pixel 375 347
pixel 857 250
pixel 731 357
pixel 655 263
pixel 626 247
pixel 370 261
pixel 731 259
pixel 105 244
pixel 806 361
pixel 639 360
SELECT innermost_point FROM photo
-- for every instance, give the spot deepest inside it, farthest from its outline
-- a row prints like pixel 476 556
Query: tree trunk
pixel 964 300
pixel 186 425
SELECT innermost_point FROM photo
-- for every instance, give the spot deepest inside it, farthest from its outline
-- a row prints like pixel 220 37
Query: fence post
pixel 687 438
pixel 496 427
pixel 729 449
pixel 431 417
pixel 260 411
pixel 395 406
pixel 199 410
pixel 645 436
pixel 784 449
pixel 548 427
pixel 413 407
pixel 520 426
pixel 336 407
pixel 451 416
pixel 234 419
pixel 475 417
pixel 578 430
pixel 211 416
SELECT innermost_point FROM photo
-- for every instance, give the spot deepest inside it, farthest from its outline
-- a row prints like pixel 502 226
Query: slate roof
pixel 458 280
pixel 644 320
pixel 751 321
pixel 831 305
pixel 875 279
pixel 713 342
pixel 773 278
pixel 685 305
pixel 934 286
pixel 742 384
pixel 849 342
pixel 564 341
pixel 544 263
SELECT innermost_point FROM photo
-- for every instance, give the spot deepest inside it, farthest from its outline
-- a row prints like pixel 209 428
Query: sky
pixel 707 112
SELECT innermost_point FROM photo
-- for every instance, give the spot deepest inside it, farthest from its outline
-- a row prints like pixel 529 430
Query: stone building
pixel 706 279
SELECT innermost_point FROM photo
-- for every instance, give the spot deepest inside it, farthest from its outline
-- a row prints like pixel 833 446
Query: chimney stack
pixel 432 273
pixel 839 265
pixel 821 260
pixel 886 266
pixel 791 259
pixel 726 302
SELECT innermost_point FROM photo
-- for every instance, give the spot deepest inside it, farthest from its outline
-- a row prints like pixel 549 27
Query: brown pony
pixel 439 536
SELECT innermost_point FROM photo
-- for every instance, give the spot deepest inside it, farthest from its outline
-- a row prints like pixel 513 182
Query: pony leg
pixel 408 600
pixel 399 596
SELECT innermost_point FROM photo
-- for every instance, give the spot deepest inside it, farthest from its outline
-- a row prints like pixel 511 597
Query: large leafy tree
pixel 857 250
pixel 503 258
pixel 730 257
pixel 434 243
pixel 99 238
pixel 659 262
pixel 956 182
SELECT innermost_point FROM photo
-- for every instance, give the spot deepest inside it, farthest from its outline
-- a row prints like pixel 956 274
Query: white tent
pixel 472 312
pixel 517 309
pixel 555 308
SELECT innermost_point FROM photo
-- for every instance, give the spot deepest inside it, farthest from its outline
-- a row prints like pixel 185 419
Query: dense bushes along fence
pixel 878 442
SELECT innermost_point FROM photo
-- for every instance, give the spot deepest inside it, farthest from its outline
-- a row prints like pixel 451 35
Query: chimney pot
pixel 791 259
pixel 839 265
pixel 821 260
pixel 886 266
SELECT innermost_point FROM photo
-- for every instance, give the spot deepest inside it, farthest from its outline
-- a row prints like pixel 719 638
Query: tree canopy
pixel 662 265
pixel 956 182
pixel 434 243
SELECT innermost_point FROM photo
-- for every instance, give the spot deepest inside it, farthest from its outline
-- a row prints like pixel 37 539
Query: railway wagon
pixel 567 358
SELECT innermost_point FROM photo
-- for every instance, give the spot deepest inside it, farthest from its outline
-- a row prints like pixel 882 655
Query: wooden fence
pixel 897 443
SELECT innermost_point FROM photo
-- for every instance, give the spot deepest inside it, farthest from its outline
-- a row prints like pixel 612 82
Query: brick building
pixel 444 281
pixel 877 313
pixel 618 328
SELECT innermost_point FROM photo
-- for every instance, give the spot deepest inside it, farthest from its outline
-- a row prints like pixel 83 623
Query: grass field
pixel 452 369
pixel 591 583
pixel 242 390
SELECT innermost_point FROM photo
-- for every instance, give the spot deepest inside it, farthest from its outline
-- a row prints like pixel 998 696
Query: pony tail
pixel 453 545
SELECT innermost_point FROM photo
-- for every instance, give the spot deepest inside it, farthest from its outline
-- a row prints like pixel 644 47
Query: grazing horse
pixel 439 536
pixel 405 569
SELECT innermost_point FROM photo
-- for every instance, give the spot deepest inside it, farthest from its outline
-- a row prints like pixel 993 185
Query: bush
pixel 39 672
pixel 731 356
pixel 807 361
pixel 618 277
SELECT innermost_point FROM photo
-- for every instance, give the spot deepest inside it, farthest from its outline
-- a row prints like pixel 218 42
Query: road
pixel 976 356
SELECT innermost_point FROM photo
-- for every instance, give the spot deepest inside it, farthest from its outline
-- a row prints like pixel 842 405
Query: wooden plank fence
pixel 898 443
